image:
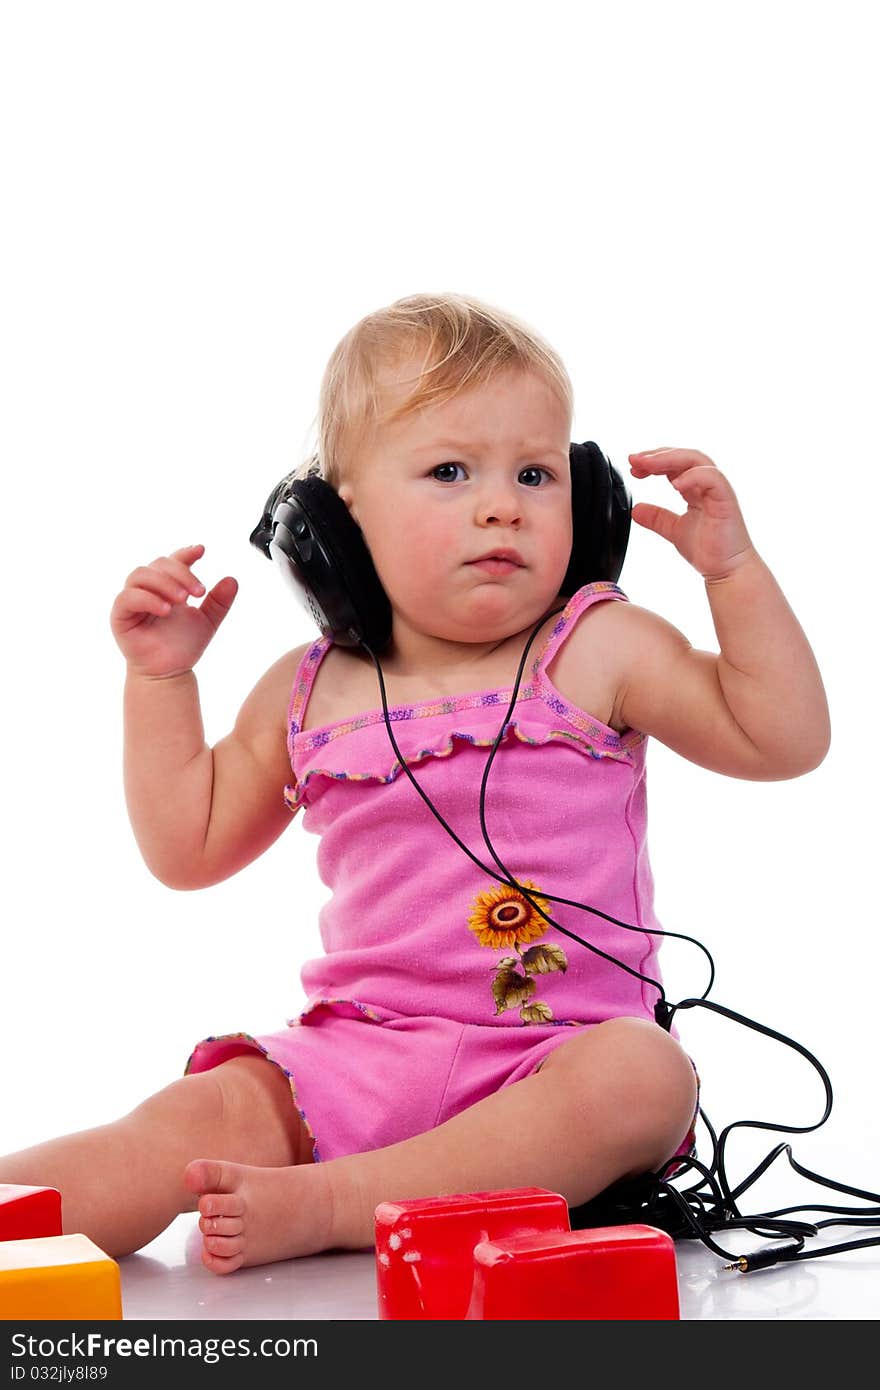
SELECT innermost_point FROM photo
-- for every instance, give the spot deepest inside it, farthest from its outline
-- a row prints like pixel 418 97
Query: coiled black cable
pixel 652 1199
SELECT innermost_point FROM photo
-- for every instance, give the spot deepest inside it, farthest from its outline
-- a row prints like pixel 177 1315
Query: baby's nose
pixel 499 504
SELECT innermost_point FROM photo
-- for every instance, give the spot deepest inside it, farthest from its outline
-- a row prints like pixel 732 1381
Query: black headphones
pixel 320 549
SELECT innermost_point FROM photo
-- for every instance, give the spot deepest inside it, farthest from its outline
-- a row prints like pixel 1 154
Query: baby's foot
pixel 252 1216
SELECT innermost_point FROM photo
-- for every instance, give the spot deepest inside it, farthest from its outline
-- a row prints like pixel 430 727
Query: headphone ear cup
pixel 322 548
pixel 319 547
pixel 601 510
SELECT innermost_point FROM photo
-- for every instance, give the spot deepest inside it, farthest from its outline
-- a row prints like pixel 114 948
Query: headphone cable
pixel 509 879
pixel 644 1199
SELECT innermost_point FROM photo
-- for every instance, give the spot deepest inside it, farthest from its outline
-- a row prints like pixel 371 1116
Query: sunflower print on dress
pixel 503 919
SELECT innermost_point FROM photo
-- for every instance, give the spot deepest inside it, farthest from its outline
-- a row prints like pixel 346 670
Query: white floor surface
pixel 167 1281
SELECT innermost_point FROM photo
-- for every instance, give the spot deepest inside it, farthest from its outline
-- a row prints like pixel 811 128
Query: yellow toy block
pixel 58 1277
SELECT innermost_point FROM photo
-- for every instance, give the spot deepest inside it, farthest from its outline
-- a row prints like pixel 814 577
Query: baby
pixel 453 1040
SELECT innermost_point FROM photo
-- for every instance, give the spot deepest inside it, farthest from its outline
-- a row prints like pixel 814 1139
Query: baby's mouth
pixel 504 555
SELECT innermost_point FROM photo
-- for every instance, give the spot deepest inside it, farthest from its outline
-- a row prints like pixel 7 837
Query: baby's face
pixel 437 490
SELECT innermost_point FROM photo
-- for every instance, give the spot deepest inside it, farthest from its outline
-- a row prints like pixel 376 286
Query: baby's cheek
pixel 413 559
pixel 428 546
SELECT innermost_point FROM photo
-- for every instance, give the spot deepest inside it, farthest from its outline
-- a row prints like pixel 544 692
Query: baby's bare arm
pixel 167 770
pixel 200 814
pixel 756 709
pixel 251 770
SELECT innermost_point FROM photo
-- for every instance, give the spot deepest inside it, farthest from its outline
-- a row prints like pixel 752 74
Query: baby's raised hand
pixel 711 535
pixel 155 628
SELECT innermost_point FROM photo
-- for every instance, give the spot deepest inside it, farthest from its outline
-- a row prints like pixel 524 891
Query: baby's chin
pixel 489 614
pixel 521 591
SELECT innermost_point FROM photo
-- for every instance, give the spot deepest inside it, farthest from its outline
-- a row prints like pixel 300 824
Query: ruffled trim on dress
pixel 220 1046
pixel 445 744
pixel 589 735
pixel 350 1008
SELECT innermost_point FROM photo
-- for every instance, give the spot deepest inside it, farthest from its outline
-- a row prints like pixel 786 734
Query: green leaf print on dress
pixel 501 918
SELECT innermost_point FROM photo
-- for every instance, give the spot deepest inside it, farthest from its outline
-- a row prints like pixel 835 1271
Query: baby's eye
pixel 532 469
pixel 535 469
pixel 435 471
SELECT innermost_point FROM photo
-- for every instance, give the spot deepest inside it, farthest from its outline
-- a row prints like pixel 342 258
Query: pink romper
pixel 439 984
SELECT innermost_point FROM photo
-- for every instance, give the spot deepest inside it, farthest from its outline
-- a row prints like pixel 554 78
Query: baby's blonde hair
pixel 464 342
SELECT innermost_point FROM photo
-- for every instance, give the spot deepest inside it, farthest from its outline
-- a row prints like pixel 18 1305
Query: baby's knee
pixel 260 1117
pixel 633 1078
pixel 657 1090
pixel 194 1102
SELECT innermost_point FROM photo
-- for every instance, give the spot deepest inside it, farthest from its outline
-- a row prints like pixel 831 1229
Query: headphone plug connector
pixel 763 1259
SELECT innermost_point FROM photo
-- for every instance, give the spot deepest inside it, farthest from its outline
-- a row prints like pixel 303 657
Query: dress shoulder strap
pixel 303 682
pixel 579 602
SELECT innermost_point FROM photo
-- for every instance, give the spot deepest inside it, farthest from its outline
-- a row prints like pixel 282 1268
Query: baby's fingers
pixel 667 460
pixel 178 568
pixel 157 578
pixel 219 600
pixel 135 602
pixel 657 519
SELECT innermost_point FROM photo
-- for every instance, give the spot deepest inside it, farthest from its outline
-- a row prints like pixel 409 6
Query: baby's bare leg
pixel 610 1103
pixel 121 1183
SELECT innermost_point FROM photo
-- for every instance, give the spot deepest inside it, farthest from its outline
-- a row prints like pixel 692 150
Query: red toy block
pixel 610 1273
pixel 29 1211
pixel 425 1248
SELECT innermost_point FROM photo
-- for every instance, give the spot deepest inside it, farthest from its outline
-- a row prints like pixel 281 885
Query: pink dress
pixel 439 983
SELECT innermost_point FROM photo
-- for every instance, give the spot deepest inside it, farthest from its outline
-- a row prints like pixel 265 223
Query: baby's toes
pixel 220 1261
pixel 221 1204
pixel 221 1225
pixel 227 1247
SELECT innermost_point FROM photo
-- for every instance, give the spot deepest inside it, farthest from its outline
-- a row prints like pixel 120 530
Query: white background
pixel 199 200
